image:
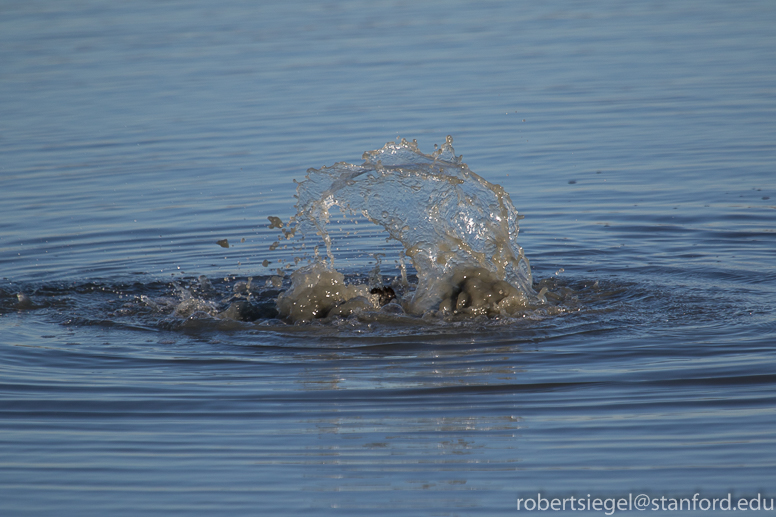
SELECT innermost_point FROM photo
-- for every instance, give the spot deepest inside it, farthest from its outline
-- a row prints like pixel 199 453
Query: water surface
pixel 637 141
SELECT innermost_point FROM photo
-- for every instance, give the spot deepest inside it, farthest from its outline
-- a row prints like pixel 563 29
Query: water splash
pixel 458 230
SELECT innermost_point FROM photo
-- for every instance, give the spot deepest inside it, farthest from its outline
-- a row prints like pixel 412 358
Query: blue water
pixel 637 139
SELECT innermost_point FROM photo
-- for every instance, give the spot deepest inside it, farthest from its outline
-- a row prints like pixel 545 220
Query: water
pixel 637 141
pixel 458 230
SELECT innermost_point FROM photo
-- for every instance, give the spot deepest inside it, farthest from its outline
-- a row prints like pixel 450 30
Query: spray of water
pixel 458 230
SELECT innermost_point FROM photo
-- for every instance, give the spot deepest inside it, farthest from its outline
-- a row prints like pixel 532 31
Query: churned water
pixel 151 153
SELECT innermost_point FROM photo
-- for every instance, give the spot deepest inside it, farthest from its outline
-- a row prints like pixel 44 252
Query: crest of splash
pixel 452 223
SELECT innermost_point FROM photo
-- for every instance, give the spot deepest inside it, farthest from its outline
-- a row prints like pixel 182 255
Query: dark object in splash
pixel 243 310
pixel 386 294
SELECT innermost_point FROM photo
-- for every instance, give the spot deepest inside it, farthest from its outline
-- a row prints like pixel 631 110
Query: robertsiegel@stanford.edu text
pixel 643 502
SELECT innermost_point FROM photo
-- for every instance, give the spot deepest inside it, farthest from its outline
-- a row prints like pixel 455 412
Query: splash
pixel 458 230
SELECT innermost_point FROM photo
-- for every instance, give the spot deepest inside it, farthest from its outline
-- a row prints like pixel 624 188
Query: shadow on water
pixel 199 307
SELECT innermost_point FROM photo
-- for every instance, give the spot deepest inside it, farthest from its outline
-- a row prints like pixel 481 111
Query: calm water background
pixel 638 139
